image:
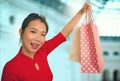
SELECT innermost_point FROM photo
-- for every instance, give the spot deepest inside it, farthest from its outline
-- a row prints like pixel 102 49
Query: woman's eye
pixel 32 31
pixel 43 34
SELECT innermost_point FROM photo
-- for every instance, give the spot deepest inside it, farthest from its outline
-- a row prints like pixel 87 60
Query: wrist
pixel 82 11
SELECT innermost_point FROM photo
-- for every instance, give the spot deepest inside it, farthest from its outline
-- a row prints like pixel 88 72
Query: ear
pixel 20 32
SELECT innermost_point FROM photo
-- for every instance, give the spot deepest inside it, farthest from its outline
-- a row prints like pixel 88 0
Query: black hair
pixel 34 16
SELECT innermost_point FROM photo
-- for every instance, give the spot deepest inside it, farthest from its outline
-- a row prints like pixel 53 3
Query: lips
pixel 34 45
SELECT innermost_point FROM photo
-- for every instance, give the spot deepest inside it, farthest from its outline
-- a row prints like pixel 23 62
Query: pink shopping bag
pixel 75 45
pixel 91 53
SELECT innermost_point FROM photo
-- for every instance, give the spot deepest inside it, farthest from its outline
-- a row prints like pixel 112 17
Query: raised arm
pixel 72 23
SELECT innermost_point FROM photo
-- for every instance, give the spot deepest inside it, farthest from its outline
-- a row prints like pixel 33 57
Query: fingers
pixel 87 6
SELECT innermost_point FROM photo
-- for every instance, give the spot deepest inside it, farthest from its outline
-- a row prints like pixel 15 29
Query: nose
pixel 38 38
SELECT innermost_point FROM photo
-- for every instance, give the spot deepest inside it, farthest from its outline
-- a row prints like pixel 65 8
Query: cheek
pixel 43 40
pixel 28 37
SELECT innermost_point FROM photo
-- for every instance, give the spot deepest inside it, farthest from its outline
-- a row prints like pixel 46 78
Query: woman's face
pixel 33 37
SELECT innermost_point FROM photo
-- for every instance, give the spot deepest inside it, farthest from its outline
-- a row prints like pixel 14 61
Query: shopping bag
pixel 75 45
pixel 91 53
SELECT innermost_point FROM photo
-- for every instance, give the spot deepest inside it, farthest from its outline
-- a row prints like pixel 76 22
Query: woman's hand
pixel 85 7
pixel 72 23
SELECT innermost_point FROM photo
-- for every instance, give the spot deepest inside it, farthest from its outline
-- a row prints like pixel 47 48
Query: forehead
pixel 37 24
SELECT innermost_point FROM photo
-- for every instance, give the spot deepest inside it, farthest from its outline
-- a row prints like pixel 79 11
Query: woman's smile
pixel 34 45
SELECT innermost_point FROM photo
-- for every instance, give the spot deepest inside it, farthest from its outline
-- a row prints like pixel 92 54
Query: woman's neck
pixel 27 53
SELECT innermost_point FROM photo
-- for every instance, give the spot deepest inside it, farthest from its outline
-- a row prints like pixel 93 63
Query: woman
pixel 30 64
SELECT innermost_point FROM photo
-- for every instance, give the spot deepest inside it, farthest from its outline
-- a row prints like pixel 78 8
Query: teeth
pixel 34 45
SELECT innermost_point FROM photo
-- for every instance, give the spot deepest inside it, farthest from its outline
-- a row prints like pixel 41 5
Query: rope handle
pixel 89 17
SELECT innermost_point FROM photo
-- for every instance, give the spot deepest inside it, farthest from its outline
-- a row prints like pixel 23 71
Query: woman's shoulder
pixel 10 70
pixel 11 64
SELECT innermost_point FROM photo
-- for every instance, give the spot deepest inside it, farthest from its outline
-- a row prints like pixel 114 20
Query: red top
pixel 22 68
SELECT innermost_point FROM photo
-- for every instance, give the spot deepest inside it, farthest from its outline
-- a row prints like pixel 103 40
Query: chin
pixel 34 50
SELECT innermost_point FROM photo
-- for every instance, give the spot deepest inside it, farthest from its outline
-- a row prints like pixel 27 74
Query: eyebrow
pixel 34 29
pixel 37 30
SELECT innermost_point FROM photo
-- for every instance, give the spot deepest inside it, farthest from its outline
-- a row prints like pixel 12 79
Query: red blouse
pixel 22 68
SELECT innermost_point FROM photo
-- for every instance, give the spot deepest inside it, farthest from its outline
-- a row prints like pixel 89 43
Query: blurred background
pixel 58 12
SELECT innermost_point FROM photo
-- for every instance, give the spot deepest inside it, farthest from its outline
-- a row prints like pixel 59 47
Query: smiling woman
pixel 31 64
pixel 33 37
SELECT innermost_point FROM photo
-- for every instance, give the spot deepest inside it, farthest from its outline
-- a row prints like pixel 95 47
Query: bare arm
pixel 72 23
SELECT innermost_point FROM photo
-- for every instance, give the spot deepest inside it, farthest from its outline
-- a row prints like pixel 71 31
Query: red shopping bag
pixel 91 53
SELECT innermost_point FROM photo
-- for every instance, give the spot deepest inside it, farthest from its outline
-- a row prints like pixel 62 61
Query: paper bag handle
pixel 89 17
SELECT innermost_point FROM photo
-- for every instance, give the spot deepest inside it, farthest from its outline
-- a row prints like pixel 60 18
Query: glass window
pixel 105 53
pixel 105 75
pixel 12 19
pixel 116 53
pixel 115 75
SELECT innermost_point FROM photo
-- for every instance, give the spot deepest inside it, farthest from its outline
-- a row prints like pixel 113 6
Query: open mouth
pixel 34 45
